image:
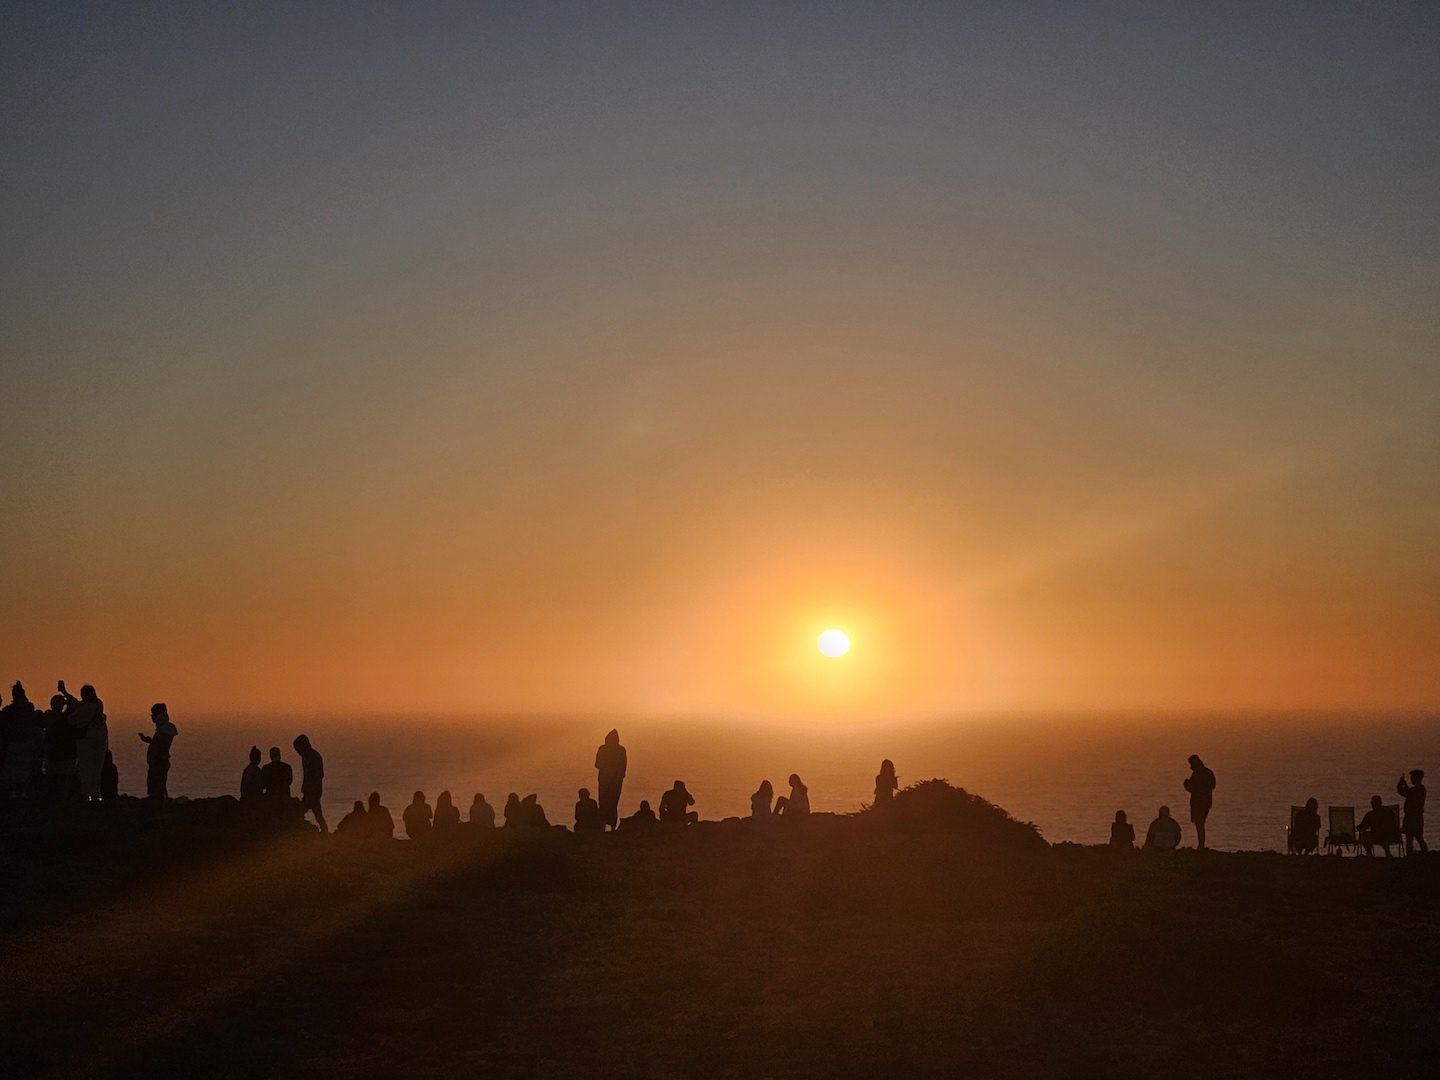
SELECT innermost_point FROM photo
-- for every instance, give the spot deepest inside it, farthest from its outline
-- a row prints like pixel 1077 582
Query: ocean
pixel 1067 774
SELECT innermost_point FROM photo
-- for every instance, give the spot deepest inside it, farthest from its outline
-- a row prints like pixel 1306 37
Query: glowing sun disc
pixel 834 643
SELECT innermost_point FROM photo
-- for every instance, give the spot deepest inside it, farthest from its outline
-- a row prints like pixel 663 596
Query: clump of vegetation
pixel 936 806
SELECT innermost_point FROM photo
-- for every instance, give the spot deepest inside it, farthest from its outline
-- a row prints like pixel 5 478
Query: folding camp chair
pixel 1293 839
pixel 1342 830
pixel 1290 836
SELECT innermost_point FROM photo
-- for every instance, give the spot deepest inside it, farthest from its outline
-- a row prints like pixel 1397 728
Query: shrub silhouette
pixel 937 806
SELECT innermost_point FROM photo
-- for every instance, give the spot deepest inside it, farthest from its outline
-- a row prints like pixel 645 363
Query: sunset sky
pixel 598 356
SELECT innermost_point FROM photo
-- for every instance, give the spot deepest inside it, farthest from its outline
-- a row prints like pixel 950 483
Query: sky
pixel 551 357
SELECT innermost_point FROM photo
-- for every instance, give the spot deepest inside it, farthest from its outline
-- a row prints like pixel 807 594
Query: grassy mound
pixel 936 806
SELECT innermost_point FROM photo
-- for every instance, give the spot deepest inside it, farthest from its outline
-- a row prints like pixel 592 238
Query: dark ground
pixel 838 949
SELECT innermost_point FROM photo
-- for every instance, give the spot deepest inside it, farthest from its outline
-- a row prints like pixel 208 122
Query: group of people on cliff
pixel 370 819
pixel 1378 828
pixel 266 789
pixel 63 753
pixel 1164 832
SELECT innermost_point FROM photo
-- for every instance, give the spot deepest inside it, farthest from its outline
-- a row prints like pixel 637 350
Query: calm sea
pixel 1066 774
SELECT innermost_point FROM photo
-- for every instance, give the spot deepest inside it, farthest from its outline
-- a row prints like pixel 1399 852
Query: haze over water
pixel 1068 774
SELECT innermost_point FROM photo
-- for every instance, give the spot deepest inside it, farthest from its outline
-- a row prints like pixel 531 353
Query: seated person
pixel 675 806
pixel 353 825
pixel 797 803
pixel 1377 827
pixel 447 815
pixel 1122 833
pixel 587 814
pixel 378 820
pixel 417 817
pixel 760 801
pixel 482 814
pixel 641 820
pixel 1164 832
pixel 532 814
pixel 1305 829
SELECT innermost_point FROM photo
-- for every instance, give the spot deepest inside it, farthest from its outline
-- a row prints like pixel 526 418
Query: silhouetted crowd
pixel 63 754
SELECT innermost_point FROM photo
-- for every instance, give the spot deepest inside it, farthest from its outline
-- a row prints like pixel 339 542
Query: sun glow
pixel 834 643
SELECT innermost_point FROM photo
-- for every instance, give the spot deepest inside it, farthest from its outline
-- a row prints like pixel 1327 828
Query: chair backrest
pixel 1342 823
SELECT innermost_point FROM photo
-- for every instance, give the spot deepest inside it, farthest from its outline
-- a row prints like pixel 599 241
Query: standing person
pixel 797 803
pixel 252 780
pixel 675 805
pixel 312 780
pixel 482 814
pixel 92 736
pixel 760 801
pixel 20 743
pixel 1201 786
pixel 885 783
pixel 61 781
pixel 378 820
pixel 277 776
pixel 610 764
pixel 1413 826
pixel 157 752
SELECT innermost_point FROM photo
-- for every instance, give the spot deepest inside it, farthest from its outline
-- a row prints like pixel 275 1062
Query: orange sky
pixel 604 370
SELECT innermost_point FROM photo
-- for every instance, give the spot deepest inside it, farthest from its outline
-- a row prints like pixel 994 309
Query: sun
pixel 834 643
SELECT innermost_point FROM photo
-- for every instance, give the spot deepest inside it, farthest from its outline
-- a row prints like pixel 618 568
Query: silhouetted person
pixel 447 815
pixel 642 820
pixel 797 803
pixel 1305 837
pixel 675 806
pixel 417 817
pixel 378 821
pixel 92 736
pixel 1378 826
pixel 252 780
pixel 532 814
pixel 587 814
pixel 312 780
pixel 355 825
pixel 482 814
pixel 157 752
pixel 610 764
pixel 1122 833
pixel 514 815
pixel 1164 832
pixel 885 783
pixel 1201 786
pixel 61 779
pixel 1413 826
pixel 109 777
pixel 21 740
pixel 277 776
pixel 760 801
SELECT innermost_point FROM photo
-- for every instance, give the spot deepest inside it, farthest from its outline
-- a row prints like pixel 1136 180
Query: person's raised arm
pixel 70 699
